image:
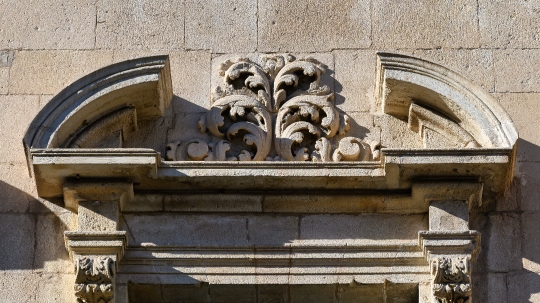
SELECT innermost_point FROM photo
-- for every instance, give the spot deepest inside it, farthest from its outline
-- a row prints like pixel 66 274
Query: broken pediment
pixel 272 119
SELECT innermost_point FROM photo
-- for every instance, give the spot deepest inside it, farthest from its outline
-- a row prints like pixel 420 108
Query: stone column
pixel 450 247
pixel 97 246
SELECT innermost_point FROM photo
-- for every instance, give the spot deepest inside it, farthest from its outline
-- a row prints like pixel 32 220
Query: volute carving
pixel 273 111
pixel 94 279
pixel 452 279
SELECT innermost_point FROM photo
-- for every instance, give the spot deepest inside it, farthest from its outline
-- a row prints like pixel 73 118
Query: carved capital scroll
pixel 451 279
pixel 94 282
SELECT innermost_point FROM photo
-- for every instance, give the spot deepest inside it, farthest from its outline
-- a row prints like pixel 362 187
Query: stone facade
pixel 269 151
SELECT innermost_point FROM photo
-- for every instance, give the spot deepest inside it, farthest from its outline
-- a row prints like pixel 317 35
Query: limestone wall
pixel 46 45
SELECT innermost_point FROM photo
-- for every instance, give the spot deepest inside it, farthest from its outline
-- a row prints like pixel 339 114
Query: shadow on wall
pixel 31 235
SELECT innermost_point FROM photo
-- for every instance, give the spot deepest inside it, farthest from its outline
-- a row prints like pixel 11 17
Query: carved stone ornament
pixel 273 111
pixel 94 280
pixel 451 279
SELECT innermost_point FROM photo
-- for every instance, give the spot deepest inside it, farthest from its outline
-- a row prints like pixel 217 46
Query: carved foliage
pixel 94 279
pixel 452 279
pixel 278 100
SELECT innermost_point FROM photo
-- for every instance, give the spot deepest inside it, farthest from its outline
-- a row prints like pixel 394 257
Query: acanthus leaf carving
pixel 452 279
pixel 296 121
pixel 94 279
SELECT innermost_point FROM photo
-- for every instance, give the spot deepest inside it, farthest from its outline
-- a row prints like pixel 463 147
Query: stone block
pixel 12 282
pixel 55 288
pixel 55 24
pixel 198 293
pixel 213 203
pixel 361 293
pixel 509 24
pixel 476 65
pixel 272 293
pixel 531 246
pixel 224 26
pixel 4 80
pixel 180 229
pixel 16 113
pixel 6 58
pixel 51 254
pixel 523 287
pixel 448 215
pixel 98 215
pixel 272 230
pixel 185 127
pixel 190 74
pixel 517 70
pixel 322 203
pixel 233 293
pixel 300 26
pixel 489 287
pixel 16 188
pixel 17 238
pixel 425 24
pixel 369 227
pixel 355 80
pixel 140 24
pixel 503 251
pixel 144 202
pixel 529 178
pixel 48 72
pixel 396 134
pixel 312 293
pixel 524 108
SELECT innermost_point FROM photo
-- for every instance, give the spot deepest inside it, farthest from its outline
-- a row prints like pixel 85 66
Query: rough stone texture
pixel 504 245
pixel 448 215
pixel 97 216
pixel 4 80
pixel 354 80
pixel 16 188
pixel 531 247
pixel 140 24
pixel 283 230
pixel 474 64
pixel 524 108
pixel 11 282
pixel 425 24
pixel 213 203
pixel 58 68
pixel 51 254
pixel 47 25
pixel 17 238
pixel 523 287
pixel 529 180
pixel 16 113
pixel 516 70
pixel 509 24
pixel 222 26
pixel 321 27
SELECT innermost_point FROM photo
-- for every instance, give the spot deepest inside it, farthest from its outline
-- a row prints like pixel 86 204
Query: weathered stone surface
pixel 13 281
pixel 474 64
pixel 523 287
pixel 4 80
pixel 425 24
pixel 490 287
pixel 16 113
pixel 312 293
pixel 366 226
pixel 530 186
pixel 509 24
pixel 299 26
pixel 354 81
pixel 179 229
pixel 140 24
pixel 146 202
pixel 51 254
pixel 531 246
pixel 272 230
pixel 396 134
pixel 190 74
pixel 516 70
pixel 524 108
pixel 449 215
pixel 233 293
pixel 213 203
pixel 55 288
pixel 6 58
pixel 17 238
pixel 15 188
pixel 47 72
pixel 47 25
pixel 504 243
pixel 222 26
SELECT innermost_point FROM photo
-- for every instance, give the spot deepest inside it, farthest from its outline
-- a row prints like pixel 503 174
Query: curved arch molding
pixel 404 81
pixel 114 96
